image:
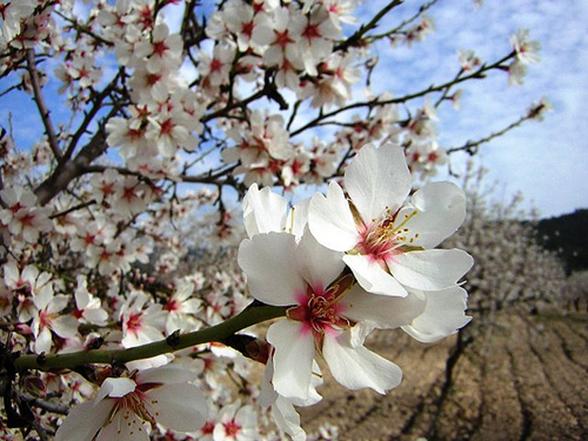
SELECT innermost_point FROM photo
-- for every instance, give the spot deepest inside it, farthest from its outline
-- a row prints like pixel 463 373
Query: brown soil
pixel 509 377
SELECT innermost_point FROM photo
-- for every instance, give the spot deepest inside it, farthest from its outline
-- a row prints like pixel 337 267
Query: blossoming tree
pixel 121 307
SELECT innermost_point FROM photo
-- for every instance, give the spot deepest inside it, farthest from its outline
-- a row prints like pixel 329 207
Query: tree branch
pixel 479 73
pixel 356 38
pixel 471 146
pixel 253 314
pixel 424 7
pixel 43 111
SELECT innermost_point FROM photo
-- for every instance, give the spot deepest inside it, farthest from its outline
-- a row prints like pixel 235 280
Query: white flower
pixel 141 322
pixel 527 51
pixel 180 309
pixel 163 51
pixel 265 211
pixel 88 308
pixel 236 423
pixel 323 314
pixel 22 217
pixel 387 239
pixel 316 39
pixel 123 406
pixel 517 71
pixel 282 409
pixel 46 319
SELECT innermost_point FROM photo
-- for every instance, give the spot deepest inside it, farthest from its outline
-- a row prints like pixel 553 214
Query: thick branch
pixel 43 111
pixel 251 315
pixel 69 170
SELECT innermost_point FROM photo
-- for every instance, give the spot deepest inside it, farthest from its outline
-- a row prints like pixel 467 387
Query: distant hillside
pixel 567 235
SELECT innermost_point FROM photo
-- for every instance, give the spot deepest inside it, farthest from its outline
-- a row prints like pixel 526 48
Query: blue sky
pixel 545 161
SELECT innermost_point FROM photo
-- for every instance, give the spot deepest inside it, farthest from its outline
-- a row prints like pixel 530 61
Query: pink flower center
pixel 135 322
pixel 320 309
pixel 27 219
pixel 216 65
pixel 44 319
pixel 247 28
pixel 166 127
pixel 172 305
pixel 384 239
pixel 208 428
pixel 159 48
pixel 311 31
pixel 283 39
pixel 135 402
pixel 16 207
pixel 232 428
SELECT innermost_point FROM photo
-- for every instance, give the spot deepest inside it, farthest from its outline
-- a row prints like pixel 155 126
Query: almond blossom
pixel 307 278
pixel 180 308
pixel 47 319
pixel 236 423
pixel 388 239
pixel 88 308
pixel 123 406
pixel 527 51
pixel 163 51
pixel 22 217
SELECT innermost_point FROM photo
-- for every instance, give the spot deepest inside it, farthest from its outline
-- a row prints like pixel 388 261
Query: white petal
pixel 115 388
pixel 287 419
pixel 84 421
pixel 43 341
pixel 318 265
pixel 331 221
pixel 263 211
pixel 57 303
pixel 358 367
pixel 125 426
pixel 294 352
pixel 430 270
pixel 66 326
pixel 166 375
pixel 377 180
pixel 384 311
pixel 97 316
pixel 373 277
pixel 267 394
pixel 443 315
pixel 441 210
pixel 269 261
pixel 298 218
pixel 179 406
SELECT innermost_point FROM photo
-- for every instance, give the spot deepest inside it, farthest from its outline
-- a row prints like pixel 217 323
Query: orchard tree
pixel 165 141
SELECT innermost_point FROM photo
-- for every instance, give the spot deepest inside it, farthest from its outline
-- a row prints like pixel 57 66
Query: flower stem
pixel 254 313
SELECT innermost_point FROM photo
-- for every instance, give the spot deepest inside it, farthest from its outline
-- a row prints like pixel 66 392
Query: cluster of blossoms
pixel 350 262
pixel 107 250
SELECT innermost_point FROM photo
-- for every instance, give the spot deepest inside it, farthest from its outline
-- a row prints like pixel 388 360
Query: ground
pixel 511 376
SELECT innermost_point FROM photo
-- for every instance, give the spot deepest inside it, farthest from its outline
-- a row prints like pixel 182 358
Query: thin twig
pixel 471 146
pixel 404 23
pixel 479 73
pixel 356 38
